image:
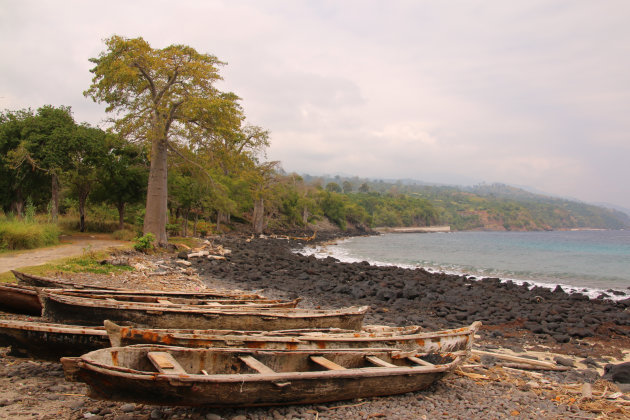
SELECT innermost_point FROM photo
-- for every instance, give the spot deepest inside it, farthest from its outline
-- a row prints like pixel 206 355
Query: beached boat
pixel 57 307
pixel 19 299
pixel 43 340
pixel 411 338
pixel 241 377
pixel 39 281
pixel 32 280
pixel 199 299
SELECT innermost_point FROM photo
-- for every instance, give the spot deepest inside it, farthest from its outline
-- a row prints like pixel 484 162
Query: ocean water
pixel 587 261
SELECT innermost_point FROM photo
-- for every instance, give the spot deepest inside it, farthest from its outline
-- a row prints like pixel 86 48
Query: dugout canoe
pixel 40 281
pixel 51 283
pixel 241 377
pixel 19 299
pixel 412 338
pixel 175 299
pixel 48 341
pixel 57 307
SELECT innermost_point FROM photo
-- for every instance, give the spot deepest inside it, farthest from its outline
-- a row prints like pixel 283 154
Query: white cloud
pixel 532 93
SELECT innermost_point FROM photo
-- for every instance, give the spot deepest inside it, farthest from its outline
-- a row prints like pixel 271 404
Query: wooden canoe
pixel 42 340
pixel 174 299
pixel 241 377
pixel 57 307
pixel 411 338
pixel 39 281
pixel 47 282
pixel 19 299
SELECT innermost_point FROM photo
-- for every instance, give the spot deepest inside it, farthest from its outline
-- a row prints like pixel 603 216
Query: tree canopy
pixel 165 97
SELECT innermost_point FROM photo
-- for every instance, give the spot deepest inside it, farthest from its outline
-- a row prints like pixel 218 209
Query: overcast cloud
pixel 529 93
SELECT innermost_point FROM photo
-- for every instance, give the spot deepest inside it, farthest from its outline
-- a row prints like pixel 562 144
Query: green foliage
pixel 334 208
pixel 73 224
pixel 333 187
pixel 145 243
pixel 27 235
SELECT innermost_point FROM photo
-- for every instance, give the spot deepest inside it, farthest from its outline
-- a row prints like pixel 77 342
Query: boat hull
pixel 19 299
pixel 406 339
pixel 48 341
pixel 242 388
pixel 71 310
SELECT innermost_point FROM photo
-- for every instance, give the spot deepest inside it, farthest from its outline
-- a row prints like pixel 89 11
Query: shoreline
pixel 322 250
pixel 396 296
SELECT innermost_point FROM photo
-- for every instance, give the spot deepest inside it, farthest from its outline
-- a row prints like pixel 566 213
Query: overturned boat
pixel 58 307
pixel 19 299
pixel 48 341
pixel 412 338
pixel 242 377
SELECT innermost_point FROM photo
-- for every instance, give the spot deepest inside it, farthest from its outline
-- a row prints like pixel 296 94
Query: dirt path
pixel 71 246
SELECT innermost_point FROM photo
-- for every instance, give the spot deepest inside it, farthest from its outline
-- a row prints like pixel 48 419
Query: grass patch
pixel 72 224
pixel 124 235
pixel 16 234
pixel 89 262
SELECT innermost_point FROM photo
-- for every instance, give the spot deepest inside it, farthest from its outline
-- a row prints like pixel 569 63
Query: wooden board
pixel 328 364
pixel 419 361
pixel 255 364
pixel 379 362
pixel 164 362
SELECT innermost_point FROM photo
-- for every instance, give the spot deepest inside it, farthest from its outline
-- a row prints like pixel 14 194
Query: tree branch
pixel 178 153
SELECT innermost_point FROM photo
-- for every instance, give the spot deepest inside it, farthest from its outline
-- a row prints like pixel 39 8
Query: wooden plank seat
pixel 419 361
pixel 164 301
pixel 328 364
pixel 256 364
pixel 165 362
pixel 379 362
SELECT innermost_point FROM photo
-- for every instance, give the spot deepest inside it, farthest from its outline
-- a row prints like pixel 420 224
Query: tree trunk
pixel 82 199
pixel 185 223
pixel 121 214
pixel 54 211
pixel 157 194
pixel 18 203
pixel 305 215
pixel 259 216
pixel 195 224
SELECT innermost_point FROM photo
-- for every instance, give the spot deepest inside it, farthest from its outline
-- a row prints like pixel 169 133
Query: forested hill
pixel 488 206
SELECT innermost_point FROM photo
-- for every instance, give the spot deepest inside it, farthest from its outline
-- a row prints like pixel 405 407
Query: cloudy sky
pixel 528 93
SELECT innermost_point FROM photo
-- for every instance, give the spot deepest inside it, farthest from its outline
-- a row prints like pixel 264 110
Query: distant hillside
pixel 490 207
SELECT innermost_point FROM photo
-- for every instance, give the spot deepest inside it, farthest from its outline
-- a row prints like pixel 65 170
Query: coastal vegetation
pixel 179 157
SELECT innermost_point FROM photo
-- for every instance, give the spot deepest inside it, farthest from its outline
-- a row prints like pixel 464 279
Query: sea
pixel 586 261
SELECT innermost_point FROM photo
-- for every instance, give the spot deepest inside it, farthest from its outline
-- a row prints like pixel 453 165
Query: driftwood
pixel 520 360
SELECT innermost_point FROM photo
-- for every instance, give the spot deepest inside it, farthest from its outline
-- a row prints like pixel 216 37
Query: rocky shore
pixel 570 330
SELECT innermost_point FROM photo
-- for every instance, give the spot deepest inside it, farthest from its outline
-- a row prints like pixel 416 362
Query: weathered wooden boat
pixel 411 338
pixel 241 377
pixel 19 299
pixel 57 307
pixel 50 283
pixel 49 341
pixel 174 299
pixel 39 281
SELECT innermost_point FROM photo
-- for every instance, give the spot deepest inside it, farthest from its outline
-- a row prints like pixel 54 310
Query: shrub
pixel 145 243
pixel 23 235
